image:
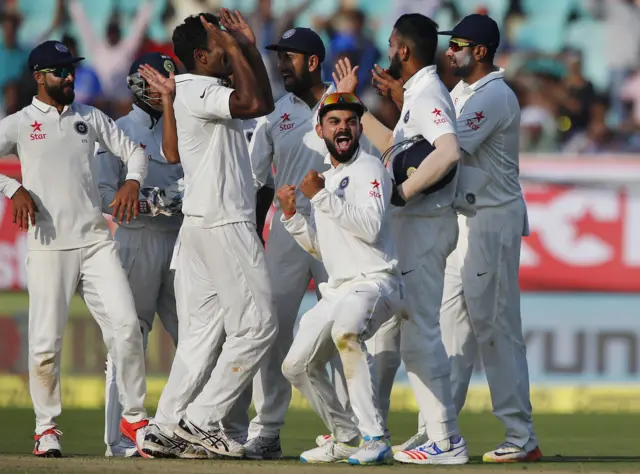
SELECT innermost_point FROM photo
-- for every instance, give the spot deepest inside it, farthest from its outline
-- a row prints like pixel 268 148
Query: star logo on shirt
pixel 375 183
pixel 286 117
pixel 37 127
pixel 436 112
pixel 479 116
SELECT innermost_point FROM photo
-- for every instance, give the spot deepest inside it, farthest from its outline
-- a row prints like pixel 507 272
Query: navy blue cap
pixel 479 29
pixel 50 54
pixel 300 40
pixel 158 61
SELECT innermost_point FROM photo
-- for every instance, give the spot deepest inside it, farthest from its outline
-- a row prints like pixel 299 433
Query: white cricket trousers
pixel 226 322
pixel 95 271
pixel 342 320
pixel 423 247
pixel 481 311
pixel 146 256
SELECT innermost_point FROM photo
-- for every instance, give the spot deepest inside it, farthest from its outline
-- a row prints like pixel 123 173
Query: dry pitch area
pixel 572 443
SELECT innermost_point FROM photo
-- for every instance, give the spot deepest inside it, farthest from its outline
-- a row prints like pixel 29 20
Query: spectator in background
pixel 575 95
pixel 87 84
pixel 112 56
pixel 598 137
pixel 11 103
pixel 13 58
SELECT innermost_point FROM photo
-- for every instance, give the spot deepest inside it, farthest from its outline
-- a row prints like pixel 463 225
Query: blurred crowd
pixel 574 64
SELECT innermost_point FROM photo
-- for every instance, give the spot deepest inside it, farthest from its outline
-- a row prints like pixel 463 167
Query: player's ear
pixel 313 63
pixel 319 130
pixel 39 77
pixel 199 56
pixel 404 51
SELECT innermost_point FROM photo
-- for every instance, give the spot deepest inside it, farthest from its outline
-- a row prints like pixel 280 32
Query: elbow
pixel 454 157
pixel 259 108
pixel 372 233
pixel 172 158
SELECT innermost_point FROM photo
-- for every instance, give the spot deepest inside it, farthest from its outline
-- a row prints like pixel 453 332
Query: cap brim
pixel 446 33
pixel 72 60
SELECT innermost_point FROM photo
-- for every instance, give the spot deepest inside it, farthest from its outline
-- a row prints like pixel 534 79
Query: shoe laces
pixel 508 445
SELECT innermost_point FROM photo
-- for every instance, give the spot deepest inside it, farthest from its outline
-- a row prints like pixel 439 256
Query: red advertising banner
pixel 584 217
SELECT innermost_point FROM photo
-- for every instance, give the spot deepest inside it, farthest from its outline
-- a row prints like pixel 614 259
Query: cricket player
pixel 481 304
pixel 146 245
pixel 219 257
pixel 70 246
pixel 425 226
pixel 349 229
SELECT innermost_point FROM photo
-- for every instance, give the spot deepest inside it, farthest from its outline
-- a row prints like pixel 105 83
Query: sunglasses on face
pixel 457 45
pixel 60 72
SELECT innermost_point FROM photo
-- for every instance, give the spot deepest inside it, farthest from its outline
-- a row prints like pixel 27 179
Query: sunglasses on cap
pixel 60 72
pixel 457 45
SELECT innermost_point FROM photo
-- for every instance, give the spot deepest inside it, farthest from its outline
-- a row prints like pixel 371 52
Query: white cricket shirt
pixel 214 155
pixel 489 133
pixel 147 133
pixel 287 139
pixel 57 158
pixel 427 111
pixel 349 226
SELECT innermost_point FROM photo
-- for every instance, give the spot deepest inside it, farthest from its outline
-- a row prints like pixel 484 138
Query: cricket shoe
pixel 412 443
pixel 159 443
pixel 124 448
pixel 329 453
pixel 48 444
pixel 373 450
pixel 325 438
pixel 509 452
pixel 216 441
pixel 262 447
pixel 135 432
pixel 448 451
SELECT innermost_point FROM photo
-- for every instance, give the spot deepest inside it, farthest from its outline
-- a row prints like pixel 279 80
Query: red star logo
pixel 285 117
pixel 375 184
pixel 37 127
pixel 143 146
pixel 479 116
pixel 436 112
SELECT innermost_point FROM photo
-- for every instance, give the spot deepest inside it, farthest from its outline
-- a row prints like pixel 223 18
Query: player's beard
pixel 464 67
pixel 63 93
pixel 395 66
pixel 346 155
pixel 299 85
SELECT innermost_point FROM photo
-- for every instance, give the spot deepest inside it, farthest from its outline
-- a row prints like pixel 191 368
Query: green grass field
pixel 572 443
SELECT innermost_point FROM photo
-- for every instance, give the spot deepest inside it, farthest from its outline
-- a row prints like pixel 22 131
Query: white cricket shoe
pixel 330 452
pixel 161 443
pixel 216 441
pixel 262 447
pixel 321 440
pixel 48 444
pixel 372 451
pixel 449 451
pixel 124 448
pixel 509 452
pixel 412 443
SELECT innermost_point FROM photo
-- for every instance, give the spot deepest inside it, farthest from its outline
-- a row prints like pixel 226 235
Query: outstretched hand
pixel 235 24
pixel 346 76
pixel 165 85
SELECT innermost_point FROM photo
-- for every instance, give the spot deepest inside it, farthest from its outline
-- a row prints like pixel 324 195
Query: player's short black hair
pixel 422 33
pixel 189 36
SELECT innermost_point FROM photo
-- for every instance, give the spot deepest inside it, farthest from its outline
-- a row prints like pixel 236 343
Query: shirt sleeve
pixel 363 217
pixel 261 153
pixel 111 171
pixel 304 232
pixel 8 142
pixel 478 119
pixel 113 139
pixel 208 101
pixel 435 114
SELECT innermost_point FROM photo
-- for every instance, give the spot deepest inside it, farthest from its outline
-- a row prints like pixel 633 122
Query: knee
pixel 345 339
pixel 294 370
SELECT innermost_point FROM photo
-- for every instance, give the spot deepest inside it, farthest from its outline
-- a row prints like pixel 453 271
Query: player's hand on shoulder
pixel 126 203
pixel 24 209
pixel 287 198
pixel 346 76
pixel 312 183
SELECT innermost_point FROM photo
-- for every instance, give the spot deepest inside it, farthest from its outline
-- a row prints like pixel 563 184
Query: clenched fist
pixel 287 198
pixel 312 183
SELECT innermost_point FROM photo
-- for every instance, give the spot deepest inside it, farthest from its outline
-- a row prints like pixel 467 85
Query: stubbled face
pixel 60 89
pixel 294 69
pixel 461 57
pixel 341 130
pixel 395 62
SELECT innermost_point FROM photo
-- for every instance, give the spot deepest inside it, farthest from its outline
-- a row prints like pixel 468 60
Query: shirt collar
pixel 424 72
pixel 327 160
pixel 45 108
pixel 143 118
pixel 329 90
pixel 499 74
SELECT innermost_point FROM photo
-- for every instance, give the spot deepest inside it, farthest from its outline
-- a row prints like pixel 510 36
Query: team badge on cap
pixel 62 48
pixel 288 34
pixel 81 128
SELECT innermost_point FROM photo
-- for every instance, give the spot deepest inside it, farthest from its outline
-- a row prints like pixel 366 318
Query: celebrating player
pixel 70 246
pixel 349 229
pixel 219 257
pixel 425 227
pixel 146 245
pixel 481 304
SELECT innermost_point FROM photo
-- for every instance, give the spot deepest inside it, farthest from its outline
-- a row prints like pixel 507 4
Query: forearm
pixel 264 84
pixel 376 132
pixel 245 82
pixel 169 132
pixel 430 171
pixel 8 186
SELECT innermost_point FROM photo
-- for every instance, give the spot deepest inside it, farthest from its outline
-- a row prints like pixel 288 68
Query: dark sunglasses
pixel 61 72
pixel 457 45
